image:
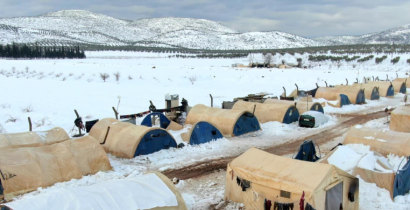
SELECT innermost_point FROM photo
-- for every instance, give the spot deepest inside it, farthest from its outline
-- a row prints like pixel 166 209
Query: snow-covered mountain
pixel 79 26
pixel 399 35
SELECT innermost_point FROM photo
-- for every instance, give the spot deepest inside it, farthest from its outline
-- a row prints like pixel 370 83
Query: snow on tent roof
pixel 128 140
pixel 266 112
pixel 229 122
pixel 33 138
pixel 382 141
pixel 202 132
pixel 151 191
pixel 400 119
pixel 28 168
pixel 385 88
pixel 269 175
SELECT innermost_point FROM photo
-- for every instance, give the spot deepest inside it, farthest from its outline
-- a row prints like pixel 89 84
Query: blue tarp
pixel 402 88
pixel 204 132
pixel 319 108
pixel 402 181
pixel 390 91
pixel 360 99
pixel 164 121
pixel 154 141
pixel 375 94
pixel 245 124
pixel 344 100
pixel 307 152
pixel 292 115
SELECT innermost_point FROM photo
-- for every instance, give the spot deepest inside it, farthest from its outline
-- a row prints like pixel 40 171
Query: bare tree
pixel 117 76
pixel 104 76
pixel 192 79
pixel 267 59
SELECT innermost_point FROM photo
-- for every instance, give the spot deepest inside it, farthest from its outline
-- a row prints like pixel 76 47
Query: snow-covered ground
pixel 54 88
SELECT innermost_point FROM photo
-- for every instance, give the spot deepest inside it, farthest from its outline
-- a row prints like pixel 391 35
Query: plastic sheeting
pixel 142 192
pixel 307 152
pixel 402 181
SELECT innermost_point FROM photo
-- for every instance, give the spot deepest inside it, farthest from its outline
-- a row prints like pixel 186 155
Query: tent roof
pixel 265 112
pixel 281 172
pixel 33 138
pixel 99 130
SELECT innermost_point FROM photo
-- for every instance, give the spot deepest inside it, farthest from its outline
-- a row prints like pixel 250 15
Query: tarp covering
pixel 385 88
pixel 307 152
pixel 33 138
pixel 270 176
pixel 319 118
pixel 381 141
pixel 353 93
pixel 402 181
pixel 202 132
pixel 128 140
pixel 28 168
pixel 400 119
pixel 269 112
pixel 371 91
pixel 230 122
pixel 150 191
pixel 400 85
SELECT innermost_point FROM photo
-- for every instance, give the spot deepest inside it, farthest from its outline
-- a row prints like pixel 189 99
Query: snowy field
pixel 51 89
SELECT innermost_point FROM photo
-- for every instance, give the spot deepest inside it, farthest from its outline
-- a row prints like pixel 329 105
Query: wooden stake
pixel 115 112
pixel 29 124
pixel 212 100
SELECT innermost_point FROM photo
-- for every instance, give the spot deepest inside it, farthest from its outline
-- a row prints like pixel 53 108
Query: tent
pixel 400 85
pixel 257 175
pixel 28 168
pixel 371 91
pixel 400 119
pixel 344 94
pixel 202 132
pixel 151 191
pixel 230 122
pixel 385 88
pixel 301 105
pixel 33 138
pixel 99 130
pixel 164 122
pixel 127 140
pixel 372 167
pixel 280 112
pixel 381 141
pixel 307 152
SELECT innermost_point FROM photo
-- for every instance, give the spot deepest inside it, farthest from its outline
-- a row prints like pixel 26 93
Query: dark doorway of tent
pixel 154 141
pixel 292 115
pixel 204 132
pixel 307 152
pixel 375 94
pixel 245 124
pixel 344 100
pixel 150 120
pixel 360 99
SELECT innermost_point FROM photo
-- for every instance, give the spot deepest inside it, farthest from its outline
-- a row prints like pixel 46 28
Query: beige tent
pixel 266 112
pixel 371 91
pixel 33 138
pixel 398 84
pixel 400 119
pixel 28 168
pixel 381 141
pixel 385 88
pixel 230 122
pixel 302 106
pixel 283 180
pixel 354 94
pixel 127 140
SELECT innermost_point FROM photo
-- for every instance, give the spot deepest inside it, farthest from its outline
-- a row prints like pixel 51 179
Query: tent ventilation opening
pixel 213 132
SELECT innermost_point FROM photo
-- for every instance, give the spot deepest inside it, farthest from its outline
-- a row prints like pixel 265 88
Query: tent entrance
pixel 151 120
pixel 246 123
pixel 334 197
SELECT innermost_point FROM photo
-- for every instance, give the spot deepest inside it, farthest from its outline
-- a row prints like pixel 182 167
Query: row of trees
pixel 23 51
pixel 332 58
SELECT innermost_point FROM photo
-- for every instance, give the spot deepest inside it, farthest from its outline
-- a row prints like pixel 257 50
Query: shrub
pixel 104 76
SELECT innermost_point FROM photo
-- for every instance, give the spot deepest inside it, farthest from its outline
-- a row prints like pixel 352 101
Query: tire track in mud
pixel 210 166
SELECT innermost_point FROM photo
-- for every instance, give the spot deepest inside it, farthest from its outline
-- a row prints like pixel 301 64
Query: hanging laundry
pixel 267 204
pixel 283 206
pixel 309 207
pixel 302 201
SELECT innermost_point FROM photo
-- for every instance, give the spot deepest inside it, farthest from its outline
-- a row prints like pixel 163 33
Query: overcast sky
pixel 308 18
